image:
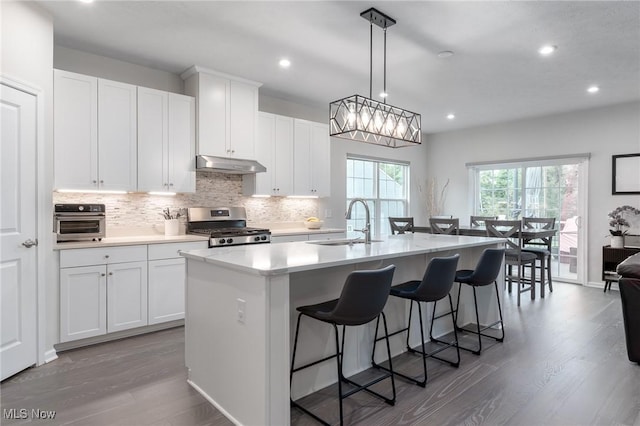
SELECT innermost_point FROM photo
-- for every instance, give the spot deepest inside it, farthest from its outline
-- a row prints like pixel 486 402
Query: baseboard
pixel 50 355
pixel 117 335
pixel 214 403
pixel 600 285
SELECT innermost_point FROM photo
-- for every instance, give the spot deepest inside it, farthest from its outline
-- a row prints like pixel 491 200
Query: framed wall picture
pixel 625 174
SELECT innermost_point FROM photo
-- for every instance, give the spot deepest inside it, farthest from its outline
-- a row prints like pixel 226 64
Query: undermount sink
pixel 347 242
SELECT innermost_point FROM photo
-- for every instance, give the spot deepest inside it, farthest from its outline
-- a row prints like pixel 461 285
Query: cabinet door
pixel 283 155
pixel 243 119
pixel 265 149
pixel 319 161
pixel 181 154
pixel 126 295
pixel 213 115
pixel 75 131
pixel 302 157
pixel 153 130
pixel 117 141
pixel 83 302
pixel 166 290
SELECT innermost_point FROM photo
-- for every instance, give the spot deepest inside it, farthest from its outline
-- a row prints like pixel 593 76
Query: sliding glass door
pixel 540 188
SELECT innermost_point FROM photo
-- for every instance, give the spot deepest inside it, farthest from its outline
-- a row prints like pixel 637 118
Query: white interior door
pixel 18 261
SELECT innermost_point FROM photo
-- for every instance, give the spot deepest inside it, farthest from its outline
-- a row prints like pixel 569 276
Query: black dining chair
pixel 435 285
pixel 541 247
pixel 444 226
pixel 486 273
pixel 400 225
pixel 511 231
pixel 362 299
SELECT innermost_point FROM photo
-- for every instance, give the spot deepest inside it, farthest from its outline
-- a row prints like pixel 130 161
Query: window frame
pixel 375 203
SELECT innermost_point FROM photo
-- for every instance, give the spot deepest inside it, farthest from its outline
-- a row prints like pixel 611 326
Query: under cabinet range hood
pixel 236 166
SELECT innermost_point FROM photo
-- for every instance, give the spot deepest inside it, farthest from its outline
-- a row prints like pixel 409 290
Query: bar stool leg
pixel 339 366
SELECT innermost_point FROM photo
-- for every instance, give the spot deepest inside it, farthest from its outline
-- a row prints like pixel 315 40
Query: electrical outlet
pixel 327 213
pixel 242 309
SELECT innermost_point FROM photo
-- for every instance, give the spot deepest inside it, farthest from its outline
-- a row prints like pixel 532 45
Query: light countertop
pixel 282 258
pixel 129 241
pixel 303 231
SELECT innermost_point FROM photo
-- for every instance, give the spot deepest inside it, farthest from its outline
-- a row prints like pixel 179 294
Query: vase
pixel 617 241
pixel 171 227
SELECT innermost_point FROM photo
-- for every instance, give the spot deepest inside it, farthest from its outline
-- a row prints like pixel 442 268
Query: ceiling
pixel 495 74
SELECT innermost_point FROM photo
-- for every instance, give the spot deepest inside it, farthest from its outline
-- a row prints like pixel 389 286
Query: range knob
pixel 256 238
pixel 229 240
pixel 263 238
pixel 221 240
pixel 80 208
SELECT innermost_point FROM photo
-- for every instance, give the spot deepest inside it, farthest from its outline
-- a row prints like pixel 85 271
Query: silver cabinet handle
pixel 94 181
pixel 102 274
pixel 110 273
pixel 170 184
pixel 106 256
pixel 30 243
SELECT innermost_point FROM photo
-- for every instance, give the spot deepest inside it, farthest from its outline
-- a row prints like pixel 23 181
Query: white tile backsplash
pixel 127 213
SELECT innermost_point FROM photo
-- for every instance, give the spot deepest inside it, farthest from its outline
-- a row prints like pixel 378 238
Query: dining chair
pixel 444 226
pixel 479 220
pixel 511 231
pixel 401 225
pixel 541 247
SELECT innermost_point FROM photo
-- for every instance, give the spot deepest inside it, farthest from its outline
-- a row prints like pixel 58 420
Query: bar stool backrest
pixel 444 226
pixel 480 220
pixel 363 296
pixel 509 229
pixel 488 267
pixel 401 225
pixel 438 278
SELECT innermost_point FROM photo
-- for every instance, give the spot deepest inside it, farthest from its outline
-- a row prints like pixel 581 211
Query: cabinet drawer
pixel 172 250
pixel 102 256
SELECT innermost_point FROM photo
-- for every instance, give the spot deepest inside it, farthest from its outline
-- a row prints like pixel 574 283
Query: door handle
pixel 30 243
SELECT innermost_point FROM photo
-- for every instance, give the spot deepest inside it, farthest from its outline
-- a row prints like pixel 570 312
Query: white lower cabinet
pixel 167 280
pixel 83 302
pixel 105 290
pixel 126 296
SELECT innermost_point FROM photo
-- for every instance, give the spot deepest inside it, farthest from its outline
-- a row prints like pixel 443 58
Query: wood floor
pixel 563 362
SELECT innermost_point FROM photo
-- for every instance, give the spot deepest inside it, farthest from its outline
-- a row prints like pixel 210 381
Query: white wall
pixel 602 132
pixel 113 69
pixel 27 56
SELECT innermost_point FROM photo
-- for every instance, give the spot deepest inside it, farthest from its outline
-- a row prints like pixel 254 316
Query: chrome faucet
pixel 367 228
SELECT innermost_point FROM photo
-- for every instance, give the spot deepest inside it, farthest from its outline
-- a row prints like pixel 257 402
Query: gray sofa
pixel 629 284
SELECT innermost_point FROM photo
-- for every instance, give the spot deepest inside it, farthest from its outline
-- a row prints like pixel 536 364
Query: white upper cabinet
pixel 182 142
pixel 94 133
pixel 117 136
pixel 75 131
pixel 166 141
pixel 227 113
pixel 274 150
pixel 311 167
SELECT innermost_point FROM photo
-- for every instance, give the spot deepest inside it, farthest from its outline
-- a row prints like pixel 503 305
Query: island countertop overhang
pixel 286 258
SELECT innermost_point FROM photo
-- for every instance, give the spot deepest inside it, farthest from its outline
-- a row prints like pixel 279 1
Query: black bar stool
pixel 486 273
pixel 362 299
pixel 435 285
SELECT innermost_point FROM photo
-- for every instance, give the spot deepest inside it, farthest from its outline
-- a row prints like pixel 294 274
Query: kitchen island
pixel 241 308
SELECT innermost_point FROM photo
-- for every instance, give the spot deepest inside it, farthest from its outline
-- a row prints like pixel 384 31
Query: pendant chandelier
pixel 366 120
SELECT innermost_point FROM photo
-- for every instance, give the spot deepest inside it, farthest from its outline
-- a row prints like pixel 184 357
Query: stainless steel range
pixel 225 226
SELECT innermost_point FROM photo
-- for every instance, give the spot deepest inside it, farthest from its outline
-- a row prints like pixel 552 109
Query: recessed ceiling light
pixel 285 63
pixel 445 54
pixel 593 89
pixel 547 50
pixel 85 1
pixel 451 116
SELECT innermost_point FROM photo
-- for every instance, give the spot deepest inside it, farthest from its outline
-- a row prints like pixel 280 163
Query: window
pixel 537 188
pixel 383 185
